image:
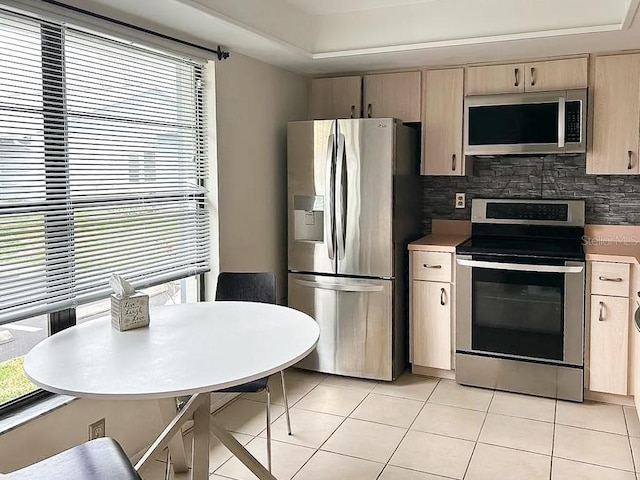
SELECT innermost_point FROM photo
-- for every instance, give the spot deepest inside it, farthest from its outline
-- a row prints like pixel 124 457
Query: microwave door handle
pixel 521 267
pixel 561 120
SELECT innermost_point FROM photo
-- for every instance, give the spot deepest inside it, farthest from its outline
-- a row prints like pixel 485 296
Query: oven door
pixel 512 309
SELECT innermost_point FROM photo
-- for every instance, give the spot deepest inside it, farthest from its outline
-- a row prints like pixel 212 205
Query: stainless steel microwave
pixel 526 123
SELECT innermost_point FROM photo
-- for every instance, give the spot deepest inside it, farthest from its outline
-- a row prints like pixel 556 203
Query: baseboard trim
pixel 433 372
pixel 626 400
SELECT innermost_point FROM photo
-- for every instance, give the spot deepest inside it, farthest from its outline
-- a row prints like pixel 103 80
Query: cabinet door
pixel 616 116
pixel 395 95
pixel 442 122
pixel 339 97
pixel 609 344
pixel 555 75
pixel 431 320
pixel 495 79
pixel 635 359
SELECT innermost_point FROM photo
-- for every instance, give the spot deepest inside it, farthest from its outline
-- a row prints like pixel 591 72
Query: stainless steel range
pixel 520 298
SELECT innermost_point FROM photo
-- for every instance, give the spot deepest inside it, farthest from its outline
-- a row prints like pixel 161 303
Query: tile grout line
pixel 330 435
pixel 553 438
pixel 475 444
pixel 410 425
pixel 633 460
pixel 261 431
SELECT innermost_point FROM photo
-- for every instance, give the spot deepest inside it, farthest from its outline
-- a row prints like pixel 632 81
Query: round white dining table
pixel 188 349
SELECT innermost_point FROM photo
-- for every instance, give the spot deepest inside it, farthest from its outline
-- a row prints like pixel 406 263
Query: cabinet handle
pixel 442 296
pixel 369 110
pixel 353 111
pixel 453 162
pixel 516 72
pixel 609 279
pixel 533 76
pixel 630 154
pixel 426 265
pixel 600 317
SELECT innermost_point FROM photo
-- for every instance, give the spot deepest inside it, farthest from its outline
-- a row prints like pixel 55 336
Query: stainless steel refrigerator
pixel 353 205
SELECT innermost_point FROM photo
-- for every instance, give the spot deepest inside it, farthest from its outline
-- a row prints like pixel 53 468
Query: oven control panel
pixel 528 211
pixel 513 211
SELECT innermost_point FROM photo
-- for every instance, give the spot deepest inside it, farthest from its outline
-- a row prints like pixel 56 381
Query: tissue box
pixel 129 312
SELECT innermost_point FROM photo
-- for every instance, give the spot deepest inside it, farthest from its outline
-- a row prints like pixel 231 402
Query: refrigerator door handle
pixel 329 205
pixel 340 287
pixel 341 198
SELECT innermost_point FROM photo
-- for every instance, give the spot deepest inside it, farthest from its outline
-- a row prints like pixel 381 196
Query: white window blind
pixel 102 166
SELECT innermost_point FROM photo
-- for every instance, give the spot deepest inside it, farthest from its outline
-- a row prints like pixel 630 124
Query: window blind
pixel 102 166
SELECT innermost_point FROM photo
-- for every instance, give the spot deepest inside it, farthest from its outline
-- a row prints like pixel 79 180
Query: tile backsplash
pixel 610 199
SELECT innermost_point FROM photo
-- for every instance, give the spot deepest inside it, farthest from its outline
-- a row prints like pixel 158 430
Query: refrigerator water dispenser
pixel 308 217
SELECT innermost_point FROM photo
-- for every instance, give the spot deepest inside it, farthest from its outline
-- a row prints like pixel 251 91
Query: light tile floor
pixel 421 428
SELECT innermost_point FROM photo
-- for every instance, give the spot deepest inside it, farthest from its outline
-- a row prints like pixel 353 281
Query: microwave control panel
pixel 573 113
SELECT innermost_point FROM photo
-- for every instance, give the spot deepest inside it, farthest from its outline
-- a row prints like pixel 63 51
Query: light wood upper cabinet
pixel 495 79
pixel 395 95
pixel 616 116
pixel 443 97
pixel 431 313
pixel 527 77
pixel 339 97
pixel 609 344
pixel 556 75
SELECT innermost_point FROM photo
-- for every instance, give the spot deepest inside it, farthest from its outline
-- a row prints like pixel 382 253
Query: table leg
pixel 239 451
pixel 177 451
pixel 200 449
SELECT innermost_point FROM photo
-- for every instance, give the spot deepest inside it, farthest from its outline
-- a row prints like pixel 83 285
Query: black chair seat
pixel 249 387
pixel 99 459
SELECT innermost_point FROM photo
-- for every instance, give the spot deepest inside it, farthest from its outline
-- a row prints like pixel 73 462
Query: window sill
pixel 38 409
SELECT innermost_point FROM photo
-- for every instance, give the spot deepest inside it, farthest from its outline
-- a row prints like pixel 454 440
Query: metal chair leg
pixel 268 428
pixel 286 402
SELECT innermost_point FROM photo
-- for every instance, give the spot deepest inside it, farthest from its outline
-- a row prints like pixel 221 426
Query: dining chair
pixel 253 287
pixel 102 458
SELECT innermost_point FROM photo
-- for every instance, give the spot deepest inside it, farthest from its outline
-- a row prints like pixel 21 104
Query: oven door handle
pixel 521 267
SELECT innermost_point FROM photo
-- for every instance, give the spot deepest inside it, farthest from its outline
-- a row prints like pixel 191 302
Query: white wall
pixel 254 103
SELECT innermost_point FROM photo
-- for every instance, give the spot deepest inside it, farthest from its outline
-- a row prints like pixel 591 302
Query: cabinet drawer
pixel 434 266
pixel 609 278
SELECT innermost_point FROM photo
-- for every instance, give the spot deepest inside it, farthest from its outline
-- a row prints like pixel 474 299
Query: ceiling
pixel 324 7
pixel 335 36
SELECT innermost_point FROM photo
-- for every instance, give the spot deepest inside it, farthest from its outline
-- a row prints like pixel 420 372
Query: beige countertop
pixel 445 236
pixel 438 242
pixel 613 243
pixel 614 252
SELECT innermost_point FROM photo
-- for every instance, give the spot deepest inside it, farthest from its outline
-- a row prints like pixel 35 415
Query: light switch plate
pixel 460 200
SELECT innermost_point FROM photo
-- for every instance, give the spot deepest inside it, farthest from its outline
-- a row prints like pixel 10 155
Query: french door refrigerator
pixel 353 205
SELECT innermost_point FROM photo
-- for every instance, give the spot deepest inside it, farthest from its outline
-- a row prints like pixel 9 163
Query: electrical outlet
pixel 460 200
pixel 96 429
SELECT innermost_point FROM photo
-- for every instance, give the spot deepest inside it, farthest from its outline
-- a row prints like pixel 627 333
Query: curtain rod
pixel 221 54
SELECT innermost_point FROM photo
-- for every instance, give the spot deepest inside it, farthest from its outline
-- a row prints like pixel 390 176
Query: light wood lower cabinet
pixel 431 317
pixel 609 344
pixel 635 359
